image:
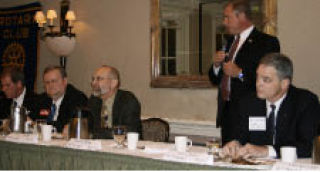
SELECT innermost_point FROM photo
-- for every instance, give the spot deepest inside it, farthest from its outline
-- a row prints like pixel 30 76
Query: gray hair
pixel 281 63
pixel 241 6
pixel 61 70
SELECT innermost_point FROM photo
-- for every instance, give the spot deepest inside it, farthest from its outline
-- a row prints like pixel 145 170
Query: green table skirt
pixel 15 156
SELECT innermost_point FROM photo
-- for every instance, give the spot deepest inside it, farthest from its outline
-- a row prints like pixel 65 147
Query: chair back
pixel 155 129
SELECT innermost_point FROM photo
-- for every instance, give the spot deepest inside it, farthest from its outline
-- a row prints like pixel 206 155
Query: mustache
pixel 98 92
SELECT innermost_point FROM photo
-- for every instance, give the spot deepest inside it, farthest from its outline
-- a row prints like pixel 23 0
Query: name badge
pixel 257 124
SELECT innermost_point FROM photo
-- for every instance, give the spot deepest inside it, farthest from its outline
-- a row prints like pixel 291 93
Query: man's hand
pixel 218 58
pixel 231 69
pixel 231 149
pixel 250 150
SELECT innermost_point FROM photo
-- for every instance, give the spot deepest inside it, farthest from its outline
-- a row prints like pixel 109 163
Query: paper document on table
pixel 84 144
pixel 295 166
pixel 156 150
pixel 188 157
pixel 22 138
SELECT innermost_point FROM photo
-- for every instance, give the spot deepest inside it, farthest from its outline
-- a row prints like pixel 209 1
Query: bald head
pixel 105 81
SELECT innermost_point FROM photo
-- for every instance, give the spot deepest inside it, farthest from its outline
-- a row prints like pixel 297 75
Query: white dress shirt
pixel 57 103
pixel 20 98
pixel 243 37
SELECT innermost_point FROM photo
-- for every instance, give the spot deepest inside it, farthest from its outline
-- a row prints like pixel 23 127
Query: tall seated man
pixel 60 100
pixel 279 114
pixel 111 106
pixel 15 91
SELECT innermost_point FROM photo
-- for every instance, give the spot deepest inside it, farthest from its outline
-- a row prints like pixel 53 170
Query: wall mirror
pixel 186 33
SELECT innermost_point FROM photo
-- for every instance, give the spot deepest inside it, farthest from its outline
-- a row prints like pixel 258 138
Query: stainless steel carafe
pixel 18 117
pixel 79 126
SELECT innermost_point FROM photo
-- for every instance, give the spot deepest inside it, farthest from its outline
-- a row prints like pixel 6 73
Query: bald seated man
pixel 111 106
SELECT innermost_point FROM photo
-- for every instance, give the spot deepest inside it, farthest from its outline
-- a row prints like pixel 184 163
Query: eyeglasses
pixel 99 78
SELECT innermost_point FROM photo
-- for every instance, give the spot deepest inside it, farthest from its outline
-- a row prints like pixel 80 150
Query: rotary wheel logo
pixel 14 56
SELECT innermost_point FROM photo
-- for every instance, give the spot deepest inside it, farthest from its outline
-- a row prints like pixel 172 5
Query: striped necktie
pixel 225 82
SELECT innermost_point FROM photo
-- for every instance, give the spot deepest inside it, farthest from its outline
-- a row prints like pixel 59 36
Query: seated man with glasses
pixel 111 106
pixel 277 115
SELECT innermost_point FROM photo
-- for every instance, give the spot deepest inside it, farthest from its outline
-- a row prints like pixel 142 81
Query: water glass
pixel 214 146
pixel 119 135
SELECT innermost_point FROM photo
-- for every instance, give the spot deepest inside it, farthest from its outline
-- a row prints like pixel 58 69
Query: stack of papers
pixel 22 138
pixel 194 158
pixel 84 144
pixel 295 166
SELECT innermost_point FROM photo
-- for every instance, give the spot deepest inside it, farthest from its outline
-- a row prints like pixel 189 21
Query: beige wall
pixel 116 32
pixel 299 34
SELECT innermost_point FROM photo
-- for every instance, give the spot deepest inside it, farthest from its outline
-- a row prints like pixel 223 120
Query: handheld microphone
pixel 224 48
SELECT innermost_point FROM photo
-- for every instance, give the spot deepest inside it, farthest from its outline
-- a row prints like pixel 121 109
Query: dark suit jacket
pixel 72 99
pixel 253 49
pixel 5 104
pixel 125 111
pixel 29 102
pixel 295 124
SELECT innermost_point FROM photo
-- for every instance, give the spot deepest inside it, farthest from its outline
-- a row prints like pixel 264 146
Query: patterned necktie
pixel 271 124
pixel 225 82
pixel 52 112
pixel 104 116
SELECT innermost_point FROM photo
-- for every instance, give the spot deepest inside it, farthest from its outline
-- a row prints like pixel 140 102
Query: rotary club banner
pixel 18 40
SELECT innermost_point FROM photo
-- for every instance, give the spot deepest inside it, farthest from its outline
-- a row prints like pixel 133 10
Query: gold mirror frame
pixel 193 81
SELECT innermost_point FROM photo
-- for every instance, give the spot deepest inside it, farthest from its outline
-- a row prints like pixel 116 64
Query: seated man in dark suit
pixel 13 86
pixel 58 104
pixel 111 106
pixel 279 114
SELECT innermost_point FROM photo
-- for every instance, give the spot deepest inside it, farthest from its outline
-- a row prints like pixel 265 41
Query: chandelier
pixel 60 42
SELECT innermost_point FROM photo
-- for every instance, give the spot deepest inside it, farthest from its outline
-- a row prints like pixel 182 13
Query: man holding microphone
pixel 233 70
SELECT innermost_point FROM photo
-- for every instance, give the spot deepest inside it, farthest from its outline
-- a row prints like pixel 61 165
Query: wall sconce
pixel 41 19
pixel 61 42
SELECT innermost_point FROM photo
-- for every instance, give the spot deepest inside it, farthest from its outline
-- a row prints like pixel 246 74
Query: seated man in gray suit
pixel 277 115
pixel 111 106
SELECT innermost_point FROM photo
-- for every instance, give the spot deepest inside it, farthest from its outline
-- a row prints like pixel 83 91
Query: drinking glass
pixel 119 135
pixel 214 147
pixel 4 127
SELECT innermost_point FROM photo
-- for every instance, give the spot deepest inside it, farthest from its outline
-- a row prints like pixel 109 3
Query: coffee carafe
pixel 18 118
pixel 316 147
pixel 79 126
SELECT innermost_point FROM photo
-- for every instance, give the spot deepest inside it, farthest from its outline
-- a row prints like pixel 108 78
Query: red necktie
pixel 225 82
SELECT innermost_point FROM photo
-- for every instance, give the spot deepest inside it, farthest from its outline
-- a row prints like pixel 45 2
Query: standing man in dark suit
pixel 13 86
pixel 111 106
pixel 234 70
pixel 279 114
pixel 58 104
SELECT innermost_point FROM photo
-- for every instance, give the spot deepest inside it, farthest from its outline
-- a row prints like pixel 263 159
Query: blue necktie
pixel 52 112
